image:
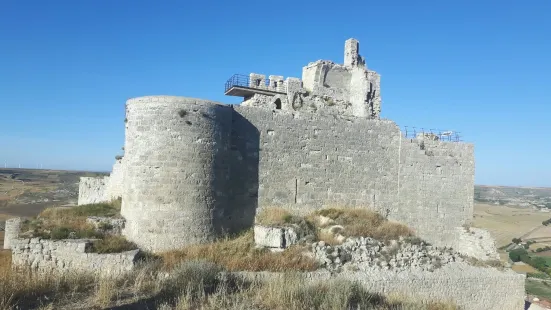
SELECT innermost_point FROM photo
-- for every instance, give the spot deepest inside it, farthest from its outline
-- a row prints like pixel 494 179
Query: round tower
pixel 11 231
pixel 175 172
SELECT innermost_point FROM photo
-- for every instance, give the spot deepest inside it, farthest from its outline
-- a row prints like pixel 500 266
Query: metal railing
pixel 242 80
pixel 442 135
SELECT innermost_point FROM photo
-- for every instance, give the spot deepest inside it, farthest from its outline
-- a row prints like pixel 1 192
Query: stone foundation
pixel 471 288
pixel 69 255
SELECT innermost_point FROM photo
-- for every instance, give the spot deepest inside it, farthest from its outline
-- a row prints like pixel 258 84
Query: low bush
pixel 543 249
pixel 112 244
pixel 68 233
pixel 515 255
pixel 537 275
pixel 274 217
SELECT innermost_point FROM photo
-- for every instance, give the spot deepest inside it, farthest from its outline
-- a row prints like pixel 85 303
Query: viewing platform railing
pixel 242 80
pixel 442 135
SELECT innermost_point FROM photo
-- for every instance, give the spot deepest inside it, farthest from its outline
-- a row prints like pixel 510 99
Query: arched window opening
pixel 278 104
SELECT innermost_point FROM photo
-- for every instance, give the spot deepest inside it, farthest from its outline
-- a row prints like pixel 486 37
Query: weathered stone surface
pixel 12 228
pixel 329 161
pixel 44 255
pixel 101 189
pixel 271 237
pixel 93 190
pixel 176 170
pixel 275 237
pixel 475 242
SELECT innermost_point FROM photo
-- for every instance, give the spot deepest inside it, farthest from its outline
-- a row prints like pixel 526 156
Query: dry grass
pixel 365 223
pixel 494 263
pixel 189 285
pixel 239 254
pixel 292 292
pixel 524 268
pixel 236 254
pixel 274 217
pixel 29 290
pixel 105 291
pixel 327 237
pixel 59 222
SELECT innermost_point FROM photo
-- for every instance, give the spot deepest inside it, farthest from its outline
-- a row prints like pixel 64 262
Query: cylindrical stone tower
pixel 11 231
pixel 176 170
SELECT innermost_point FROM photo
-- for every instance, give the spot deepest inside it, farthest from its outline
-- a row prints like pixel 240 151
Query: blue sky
pixel 478 67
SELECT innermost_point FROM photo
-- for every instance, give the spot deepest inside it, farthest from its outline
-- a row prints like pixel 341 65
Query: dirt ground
pixel 506 223
pixel 24 210
pixel 524 268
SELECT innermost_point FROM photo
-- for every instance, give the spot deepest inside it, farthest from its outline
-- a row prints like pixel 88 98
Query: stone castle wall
pixel 307 161
pixel 92 190
pixel 101 189
pixel 69 255
pixel 209 169
pixel 176 170
pixel 114 189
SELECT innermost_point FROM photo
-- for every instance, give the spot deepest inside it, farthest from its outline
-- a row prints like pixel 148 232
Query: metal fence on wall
pixel 442 135
pixel 242 80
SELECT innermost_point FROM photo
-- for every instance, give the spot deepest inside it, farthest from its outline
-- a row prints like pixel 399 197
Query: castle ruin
pixel 195 169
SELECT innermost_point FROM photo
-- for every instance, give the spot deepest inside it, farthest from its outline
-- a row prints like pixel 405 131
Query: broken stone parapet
pixel 93 190
pixel 102 189
pixel 475 242
pixel 44 255
pixel 112 226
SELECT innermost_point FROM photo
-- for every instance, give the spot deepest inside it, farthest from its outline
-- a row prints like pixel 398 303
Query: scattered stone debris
pixel 398 255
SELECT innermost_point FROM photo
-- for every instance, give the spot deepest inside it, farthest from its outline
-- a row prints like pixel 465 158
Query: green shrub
pixel 96 209
pixel 515 255
pixel 538 275
pixel 58 233
pixel 105 226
